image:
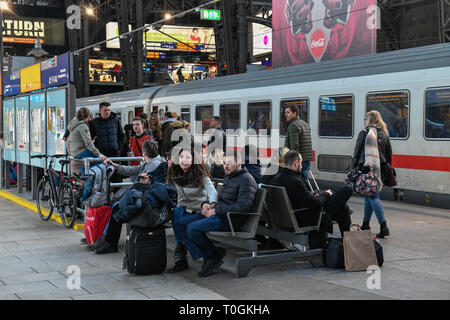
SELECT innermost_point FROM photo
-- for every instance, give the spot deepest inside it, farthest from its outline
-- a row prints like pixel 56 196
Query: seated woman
pixel 214 163
pixel 195 191
pixel 80 142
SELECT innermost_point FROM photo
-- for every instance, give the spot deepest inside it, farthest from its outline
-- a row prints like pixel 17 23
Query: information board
pixel 55 71
pixel 9 136
pixel 12 84
pixel 22 129
pixel 30 78
pixel 37 120
pixel 56 126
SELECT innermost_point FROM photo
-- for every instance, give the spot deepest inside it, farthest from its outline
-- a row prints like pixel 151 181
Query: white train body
pixel 425 184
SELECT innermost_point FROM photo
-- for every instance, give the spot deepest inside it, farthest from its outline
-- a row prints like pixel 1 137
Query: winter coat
pixel 136 145
pixel 167 130
pixel 109 135
pixel 384 148
pixel 238 195
pixel 298 138
pixel 145 167
pixel 80 138
pixel 218 132
pixel 192 198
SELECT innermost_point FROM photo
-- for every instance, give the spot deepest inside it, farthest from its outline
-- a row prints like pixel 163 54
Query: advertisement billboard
pixel 30 78
pixel 307 31
pixel 170 38
pixel 262 39
pixel 55 71
pixel 12 84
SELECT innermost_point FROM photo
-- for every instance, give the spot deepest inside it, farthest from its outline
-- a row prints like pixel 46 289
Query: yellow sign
pixel 30 78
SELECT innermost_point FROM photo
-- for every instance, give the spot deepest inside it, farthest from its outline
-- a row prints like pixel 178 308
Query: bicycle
pixel 64 198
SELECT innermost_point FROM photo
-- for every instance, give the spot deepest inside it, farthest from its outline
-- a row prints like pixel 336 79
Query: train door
pixel 138 111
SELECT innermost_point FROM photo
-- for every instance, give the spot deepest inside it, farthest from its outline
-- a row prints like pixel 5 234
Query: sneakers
pixel 214 262
pixel 105 248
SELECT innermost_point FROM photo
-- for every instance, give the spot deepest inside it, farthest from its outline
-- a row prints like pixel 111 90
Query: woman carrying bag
pixel 373 152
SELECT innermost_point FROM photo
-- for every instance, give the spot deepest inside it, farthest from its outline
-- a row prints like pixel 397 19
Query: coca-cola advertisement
pixel 307 31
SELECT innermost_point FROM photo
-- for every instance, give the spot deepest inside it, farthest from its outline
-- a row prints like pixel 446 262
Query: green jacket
pixel 298 138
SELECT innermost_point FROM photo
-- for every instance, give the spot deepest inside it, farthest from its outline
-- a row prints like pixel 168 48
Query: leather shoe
pixel 106 248
pixel 214 262
pixel 180 265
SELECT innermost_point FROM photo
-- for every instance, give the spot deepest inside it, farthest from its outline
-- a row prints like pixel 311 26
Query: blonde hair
pixel 280 153
pixel 374 119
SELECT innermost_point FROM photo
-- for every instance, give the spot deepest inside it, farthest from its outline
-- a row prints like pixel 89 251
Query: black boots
pixel 180 258
pixel 384 231
pixel 365 225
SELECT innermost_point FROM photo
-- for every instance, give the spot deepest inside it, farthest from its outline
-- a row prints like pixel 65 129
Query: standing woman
pixel 373 149
pixel 155 127
pixel 196 193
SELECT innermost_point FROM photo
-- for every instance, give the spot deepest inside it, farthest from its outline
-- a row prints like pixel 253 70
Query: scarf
pixel 371 153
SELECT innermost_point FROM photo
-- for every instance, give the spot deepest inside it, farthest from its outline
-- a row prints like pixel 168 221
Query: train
pixel 410 88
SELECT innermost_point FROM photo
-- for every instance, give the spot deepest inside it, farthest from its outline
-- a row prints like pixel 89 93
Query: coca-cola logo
pixel 318 43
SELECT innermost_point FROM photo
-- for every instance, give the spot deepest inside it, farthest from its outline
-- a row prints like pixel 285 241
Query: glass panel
pixel 203 115
pixel 336 116
pixel 37 119
pixel 23 134
pixel 259 116
pixel 230 116
pixel 56 125
pixel 303 107
pixel 186 113
pixel 9 133
pixel 437 114
pixel 393 107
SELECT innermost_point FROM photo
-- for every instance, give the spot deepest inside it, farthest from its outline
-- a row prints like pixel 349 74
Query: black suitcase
pixel 145 250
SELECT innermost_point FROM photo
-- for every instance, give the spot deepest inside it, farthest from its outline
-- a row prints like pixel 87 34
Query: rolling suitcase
pixel 145 250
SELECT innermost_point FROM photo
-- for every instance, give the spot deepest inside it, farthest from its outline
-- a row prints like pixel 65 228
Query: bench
pixel 245 238
pixel 284 226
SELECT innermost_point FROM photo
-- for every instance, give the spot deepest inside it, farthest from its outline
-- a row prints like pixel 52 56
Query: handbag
pixel 359 249
pixel 389 175
pixel 363 181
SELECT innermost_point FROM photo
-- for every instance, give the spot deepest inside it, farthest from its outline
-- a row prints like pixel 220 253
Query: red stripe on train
pixel 421 162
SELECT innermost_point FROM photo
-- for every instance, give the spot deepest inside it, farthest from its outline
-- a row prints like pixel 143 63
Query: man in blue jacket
pixel 238 195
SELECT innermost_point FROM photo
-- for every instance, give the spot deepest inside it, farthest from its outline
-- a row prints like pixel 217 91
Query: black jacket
pixel 300 195
pixel 219 132
pixel 238 195
pixel 109 135
pixel 384 148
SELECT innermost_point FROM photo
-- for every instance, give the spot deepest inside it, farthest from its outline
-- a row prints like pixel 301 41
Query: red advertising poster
pixel 307 31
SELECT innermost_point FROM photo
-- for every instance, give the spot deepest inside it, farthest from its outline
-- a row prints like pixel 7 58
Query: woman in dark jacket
pixel 374 120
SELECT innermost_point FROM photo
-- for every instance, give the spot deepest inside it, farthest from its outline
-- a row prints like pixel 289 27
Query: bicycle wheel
pixel 45 198
pixel 69 206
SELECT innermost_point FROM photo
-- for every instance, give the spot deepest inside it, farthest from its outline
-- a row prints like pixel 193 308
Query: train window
pixel 437 114
pixel 130 117
pixel 394 109
pixel 336 116
pixel 259 115
pixel 186 113
pixel 230 116
pixel 303 107
pixel 203 115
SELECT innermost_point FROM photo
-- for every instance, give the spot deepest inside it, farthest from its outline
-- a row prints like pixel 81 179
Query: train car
pixel 410 88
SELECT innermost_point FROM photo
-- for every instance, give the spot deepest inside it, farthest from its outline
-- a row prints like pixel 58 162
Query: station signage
pixel 12 84
pixel 27 29
pixel 208 14
pixel 30 78
pixel 55 71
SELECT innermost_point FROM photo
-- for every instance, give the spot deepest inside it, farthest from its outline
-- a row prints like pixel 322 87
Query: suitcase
pixel 145 250
pixel 96 221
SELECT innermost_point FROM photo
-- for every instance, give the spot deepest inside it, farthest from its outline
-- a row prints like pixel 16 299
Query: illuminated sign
pixel 26 30
pixel 30 78
pixel 207 14
pixel 170 38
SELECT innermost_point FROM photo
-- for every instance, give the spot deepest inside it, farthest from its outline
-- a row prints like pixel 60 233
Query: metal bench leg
pixel 243 266
pixel 317 262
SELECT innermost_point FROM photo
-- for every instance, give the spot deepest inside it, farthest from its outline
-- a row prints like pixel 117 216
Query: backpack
pixel 100 189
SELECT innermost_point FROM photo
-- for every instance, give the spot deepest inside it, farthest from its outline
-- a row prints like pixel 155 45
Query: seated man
pixel 301 196
pixel 152 161
pixel 238 195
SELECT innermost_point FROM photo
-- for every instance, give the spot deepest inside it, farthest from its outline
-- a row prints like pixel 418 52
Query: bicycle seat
pixel 64 162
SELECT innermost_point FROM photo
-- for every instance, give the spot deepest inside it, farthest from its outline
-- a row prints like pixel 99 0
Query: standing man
pixel 107 131
pixel 218 138
pixel 138 139
pixel 298 137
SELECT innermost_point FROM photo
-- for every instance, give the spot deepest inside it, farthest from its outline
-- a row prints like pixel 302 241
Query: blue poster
pixel 12 84
pixel 55 71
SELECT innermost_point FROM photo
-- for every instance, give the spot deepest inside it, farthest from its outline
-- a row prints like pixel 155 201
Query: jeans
pixel 373 204
pixel 178 214
pixel 306 165
pixel 87 154
pixel 180 226
pixel 192 231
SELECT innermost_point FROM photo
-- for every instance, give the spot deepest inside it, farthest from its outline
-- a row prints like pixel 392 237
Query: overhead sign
pixel 12 84
pixel 55 71
pixel 26 30
pixel 170 38
pixel 207 14
pixel 30 78
pixel 313 31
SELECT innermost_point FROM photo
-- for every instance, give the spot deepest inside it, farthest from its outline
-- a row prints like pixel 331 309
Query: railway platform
pixel 35 256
